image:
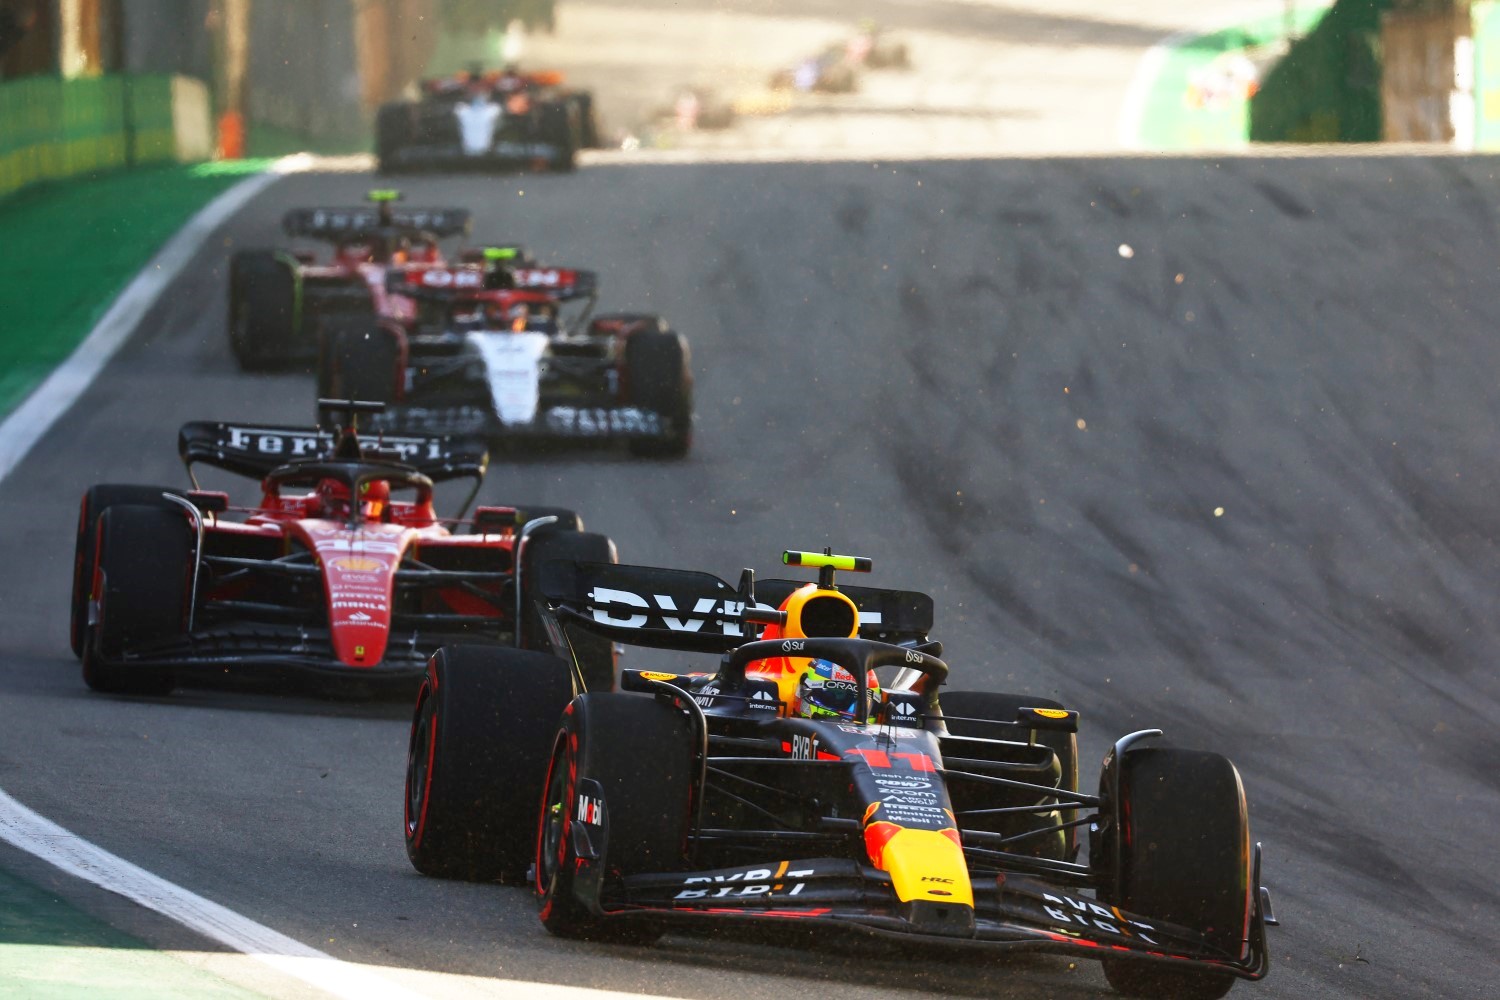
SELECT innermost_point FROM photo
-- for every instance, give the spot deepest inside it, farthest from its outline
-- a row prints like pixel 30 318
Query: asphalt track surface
pixel 1024 386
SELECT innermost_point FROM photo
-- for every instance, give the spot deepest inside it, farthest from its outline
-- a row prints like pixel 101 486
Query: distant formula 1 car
pixel 478 120
pixel 790 785
pixel 506 348
pixel 279 300
pixel 326 574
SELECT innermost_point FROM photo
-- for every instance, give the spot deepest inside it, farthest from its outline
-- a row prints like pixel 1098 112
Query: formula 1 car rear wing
pixel 698 612
pixel 357 223
pixel 447 284
pixel 255 449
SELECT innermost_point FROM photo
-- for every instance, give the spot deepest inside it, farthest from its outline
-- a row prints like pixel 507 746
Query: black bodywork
pixel 783 805
pixel 431 134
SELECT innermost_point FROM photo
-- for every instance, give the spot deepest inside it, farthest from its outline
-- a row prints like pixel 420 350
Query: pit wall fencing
pixel 51 128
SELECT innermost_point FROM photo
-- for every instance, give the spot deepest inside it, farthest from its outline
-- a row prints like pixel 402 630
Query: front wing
pixel 1010 911
pixel 505 154
pixel 553 421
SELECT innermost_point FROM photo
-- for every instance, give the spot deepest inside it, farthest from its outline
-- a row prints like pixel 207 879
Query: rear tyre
pixel 96 500
pixel 594 654
pixel 361 361
pixel 646 804
pixel 144 571
pixel 392 131
pixel 559 130
pixel 659 378
pixel 1002 708
pixel 480 743
pixel 262 310
pixel 588 121
pixel 1184 852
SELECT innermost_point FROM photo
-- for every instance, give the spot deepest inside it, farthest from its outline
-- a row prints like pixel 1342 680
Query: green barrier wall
pixel 1327 89
pixel 1486 25
pixel 52 128
pixel 1196 101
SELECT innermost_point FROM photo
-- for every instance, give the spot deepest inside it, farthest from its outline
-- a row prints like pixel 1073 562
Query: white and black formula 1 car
pixel 495 120
pixel 510 350
pixel 341 571
pixel 790 784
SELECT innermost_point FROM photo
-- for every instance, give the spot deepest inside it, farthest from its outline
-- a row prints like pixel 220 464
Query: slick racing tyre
pixel 588 121
pixel 481 740
pixel 963 706
pixel 263 321
pixel 96 500
pixel 392 132
pixel 559 129
pixel 595 654
pixel 144 573
pixel 659 378
pixel 633 803
pixel 1184 851
pixel 364 361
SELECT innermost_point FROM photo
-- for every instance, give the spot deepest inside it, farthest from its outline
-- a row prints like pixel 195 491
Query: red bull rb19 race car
pixel 790 784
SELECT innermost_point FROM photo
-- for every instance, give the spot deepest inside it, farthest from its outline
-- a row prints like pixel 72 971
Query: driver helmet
pixel 828 691
pixel 509 316
pixel 333 499
pixel 374 497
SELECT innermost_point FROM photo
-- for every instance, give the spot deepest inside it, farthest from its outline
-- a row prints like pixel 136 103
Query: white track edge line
pixel 59 391
pixel 39 836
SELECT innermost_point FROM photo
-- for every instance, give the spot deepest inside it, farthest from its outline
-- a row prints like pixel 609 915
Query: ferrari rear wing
pixel 255 449
pixel 352 223
pixel 698 612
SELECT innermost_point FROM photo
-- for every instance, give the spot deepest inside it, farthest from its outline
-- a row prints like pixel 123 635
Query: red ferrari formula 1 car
pixel 341 569
pixel 790 784
pixel 280 300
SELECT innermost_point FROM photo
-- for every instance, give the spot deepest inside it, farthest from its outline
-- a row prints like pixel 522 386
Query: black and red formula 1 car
pixel 508 349
pixel 280 300
pixel 487 120
pixel 327 574
pixel 791 784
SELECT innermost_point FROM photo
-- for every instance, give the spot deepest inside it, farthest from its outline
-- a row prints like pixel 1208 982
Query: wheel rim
pixel 419 772
pixel 554 822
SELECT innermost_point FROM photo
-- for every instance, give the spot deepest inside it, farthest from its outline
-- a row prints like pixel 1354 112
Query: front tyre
pixel 1184 850
pixel 142 579
pixel 96 500
pixel 481 739
pixel 659 378
pixel 263 314
pixel 637 806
